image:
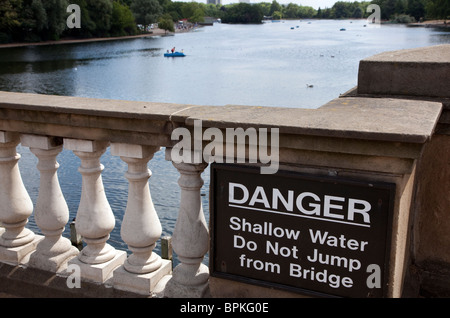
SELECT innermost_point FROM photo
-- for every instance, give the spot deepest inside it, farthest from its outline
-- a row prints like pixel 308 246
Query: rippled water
pixel 264 65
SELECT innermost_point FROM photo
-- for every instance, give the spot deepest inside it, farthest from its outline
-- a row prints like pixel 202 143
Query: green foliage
pixel 275 6
pixel 56 18
pixel 212 10
pixel 100 15
pixel 344 10
pixel 39 20
pixel 123 22
pixel 416 9
pixel 9 15
pixel 277 15
pixel 392 9
pixel 243 13
pixel 437 9
pixel 33 20
pixel 166 23
pixel 146 11
pixel 295 11
pixel 341 10
pixel 197 16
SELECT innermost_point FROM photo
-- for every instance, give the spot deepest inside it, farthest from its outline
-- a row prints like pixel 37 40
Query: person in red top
pixel 173 49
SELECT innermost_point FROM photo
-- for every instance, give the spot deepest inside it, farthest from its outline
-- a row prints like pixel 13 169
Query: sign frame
pixel 217 272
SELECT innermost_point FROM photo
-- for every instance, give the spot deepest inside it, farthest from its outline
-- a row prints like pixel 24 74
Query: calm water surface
pixel 263 65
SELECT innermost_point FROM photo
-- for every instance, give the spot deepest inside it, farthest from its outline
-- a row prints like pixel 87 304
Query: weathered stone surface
pixel 415 72
pixel 90 106
pixel 360 118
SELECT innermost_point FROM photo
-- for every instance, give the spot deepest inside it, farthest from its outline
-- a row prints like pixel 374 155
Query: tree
pixel 198 16
pixel 291 11
pixel 123 22
pixel 33 20
pixel 437 9
pixel 213 10
pixel 265 7
pixel 277 15
pixel 9 19
pixel 243 13
pixel 9 15
pixel 166 23
pixel 341 10
pixel 100 13
pixel 189 8
pixel 275 6
pixel 416 9
pixel 388 8
pixel 306 12
pixel 56 18
pixel 146 11
pixel 357 13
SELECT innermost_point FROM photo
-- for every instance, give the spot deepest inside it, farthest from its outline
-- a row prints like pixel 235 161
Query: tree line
pixel 40 20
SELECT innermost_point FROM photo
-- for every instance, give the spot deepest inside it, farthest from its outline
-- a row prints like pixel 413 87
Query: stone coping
pixel 396 120
pixel 423 71
pixel 430 54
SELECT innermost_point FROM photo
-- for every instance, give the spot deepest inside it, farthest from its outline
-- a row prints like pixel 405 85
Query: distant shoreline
pixel 155 32
pixel 159 32
pixel 431 24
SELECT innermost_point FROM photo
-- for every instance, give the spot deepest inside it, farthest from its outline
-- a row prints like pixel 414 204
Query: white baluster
pixel 190 238
pixel 51 211
pixel 16 241
pixel 95 219
pixel 141 227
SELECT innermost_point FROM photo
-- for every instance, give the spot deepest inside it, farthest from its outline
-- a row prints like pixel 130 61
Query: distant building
pixel 244 1
pixel 213 1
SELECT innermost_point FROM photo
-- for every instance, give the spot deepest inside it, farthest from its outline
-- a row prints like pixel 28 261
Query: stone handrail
pixel 349 136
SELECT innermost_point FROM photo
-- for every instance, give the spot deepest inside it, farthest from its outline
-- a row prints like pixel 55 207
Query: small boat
pixel 174 54
pixel 342 29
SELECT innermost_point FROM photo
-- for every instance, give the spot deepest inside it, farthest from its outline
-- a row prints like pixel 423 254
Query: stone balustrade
pixel 88 133
pixel 348 136
pixel 355 136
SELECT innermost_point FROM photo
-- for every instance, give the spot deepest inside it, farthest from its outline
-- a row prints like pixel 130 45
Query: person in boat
pixel 173 49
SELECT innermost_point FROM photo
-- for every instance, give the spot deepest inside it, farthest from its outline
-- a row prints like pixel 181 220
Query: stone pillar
pixel 141 227
pixel 95 219
pixel 190 238
pixel 51 212
pixel 16 241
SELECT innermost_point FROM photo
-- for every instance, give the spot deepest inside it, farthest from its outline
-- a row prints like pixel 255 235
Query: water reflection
pixel 441 36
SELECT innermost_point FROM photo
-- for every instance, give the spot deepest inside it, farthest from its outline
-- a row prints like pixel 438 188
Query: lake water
pixel 258 65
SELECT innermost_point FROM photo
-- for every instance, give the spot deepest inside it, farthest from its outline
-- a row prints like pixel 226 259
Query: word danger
pixel 307 203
